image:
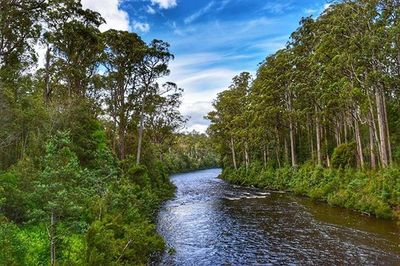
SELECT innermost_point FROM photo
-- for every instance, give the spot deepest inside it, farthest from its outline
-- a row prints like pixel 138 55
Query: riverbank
pixel 222 224
pixel 371 192
pixel 111 213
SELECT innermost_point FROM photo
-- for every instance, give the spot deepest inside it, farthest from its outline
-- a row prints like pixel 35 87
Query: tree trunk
pixel 372 147
pixel 318 133
pixel 277 147
pixel 374 143
pixel 337 133
pixel 310 138
pixel 246 155
pixel 286 151
pixel 141 126
pixel 140 139
pixel 293 145
pixel 233 153
pixel 382 128
pixel 46 93
pixel 265 156
pixel 292 137
pixel 389 146
pixel 328 161
pixel 52 239
pixel 122 144
pixel 358 143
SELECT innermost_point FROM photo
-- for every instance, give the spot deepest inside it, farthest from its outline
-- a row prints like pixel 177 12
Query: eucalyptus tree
pixel 19 31
pixel 334 83
pixel 153 66
pixel 228 120
pixel 73 66
pixel 163 117
pixel 123 56
pixel 67 27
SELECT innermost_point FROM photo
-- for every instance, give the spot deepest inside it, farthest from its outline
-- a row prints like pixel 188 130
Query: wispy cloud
pixel 214 40
pixel 199 13
pixel 150 10
pixel 278 7
pixel 223 4
pixel 310 11
pixel 226 36
pixel 202 78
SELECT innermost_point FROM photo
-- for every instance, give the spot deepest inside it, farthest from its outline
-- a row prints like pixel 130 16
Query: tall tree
pixel 153 67
pixel 123 55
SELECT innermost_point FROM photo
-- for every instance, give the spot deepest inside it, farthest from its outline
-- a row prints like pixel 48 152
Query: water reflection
pixel 213 223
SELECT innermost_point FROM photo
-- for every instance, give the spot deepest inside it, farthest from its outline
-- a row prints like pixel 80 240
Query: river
pixel 210 222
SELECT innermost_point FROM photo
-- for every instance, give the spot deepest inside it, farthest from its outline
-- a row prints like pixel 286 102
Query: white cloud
pixel 278 7
pixel 223 4
pixel 237 46
pixel 164 4
pixel 140 26
pixel 109 9
pixel 199 13
pixel 309 11
pixel 150 10
pixel 198 128
pixel 201 83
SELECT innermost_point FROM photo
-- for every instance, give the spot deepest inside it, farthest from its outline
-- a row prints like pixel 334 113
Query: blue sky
pixel 212 40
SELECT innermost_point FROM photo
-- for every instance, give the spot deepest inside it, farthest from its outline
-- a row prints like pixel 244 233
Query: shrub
pixel 344 156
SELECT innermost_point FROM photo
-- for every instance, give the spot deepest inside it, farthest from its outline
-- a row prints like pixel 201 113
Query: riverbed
pixel 210 222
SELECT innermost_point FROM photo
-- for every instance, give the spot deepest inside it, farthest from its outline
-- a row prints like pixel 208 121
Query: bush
pixel 112 241
pixel 12 251
pixel 344 156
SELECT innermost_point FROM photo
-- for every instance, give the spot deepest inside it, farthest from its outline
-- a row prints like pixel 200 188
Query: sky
pixel 212 40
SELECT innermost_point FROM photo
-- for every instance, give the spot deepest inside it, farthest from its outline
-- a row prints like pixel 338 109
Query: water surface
pixel 211 222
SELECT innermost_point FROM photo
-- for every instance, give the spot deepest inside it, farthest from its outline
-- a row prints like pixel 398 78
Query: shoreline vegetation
pixel 88 138
pixel 321 116
pixel 368 192
pixel 105 214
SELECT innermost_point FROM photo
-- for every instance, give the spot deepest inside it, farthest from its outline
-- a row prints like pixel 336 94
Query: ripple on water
pixel 210 222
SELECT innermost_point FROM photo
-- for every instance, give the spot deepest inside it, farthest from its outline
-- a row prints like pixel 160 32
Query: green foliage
pixel 12 250
pixel 61 127
pixel 18 187
pixel 124 232
pixel 111 241
pixel 192 151
pixel 376 193
pixel 344 156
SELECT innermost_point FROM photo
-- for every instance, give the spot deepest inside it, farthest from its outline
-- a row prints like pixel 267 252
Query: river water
pixel 211 222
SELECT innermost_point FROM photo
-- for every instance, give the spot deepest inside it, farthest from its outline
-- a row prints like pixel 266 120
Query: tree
pixel 333 84
pixel 124 53
pixel 228 121
pixel 153 67
pixel 60 189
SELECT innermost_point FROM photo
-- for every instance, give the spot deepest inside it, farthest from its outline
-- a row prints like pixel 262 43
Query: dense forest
pixel 322 116
pixel 87 138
